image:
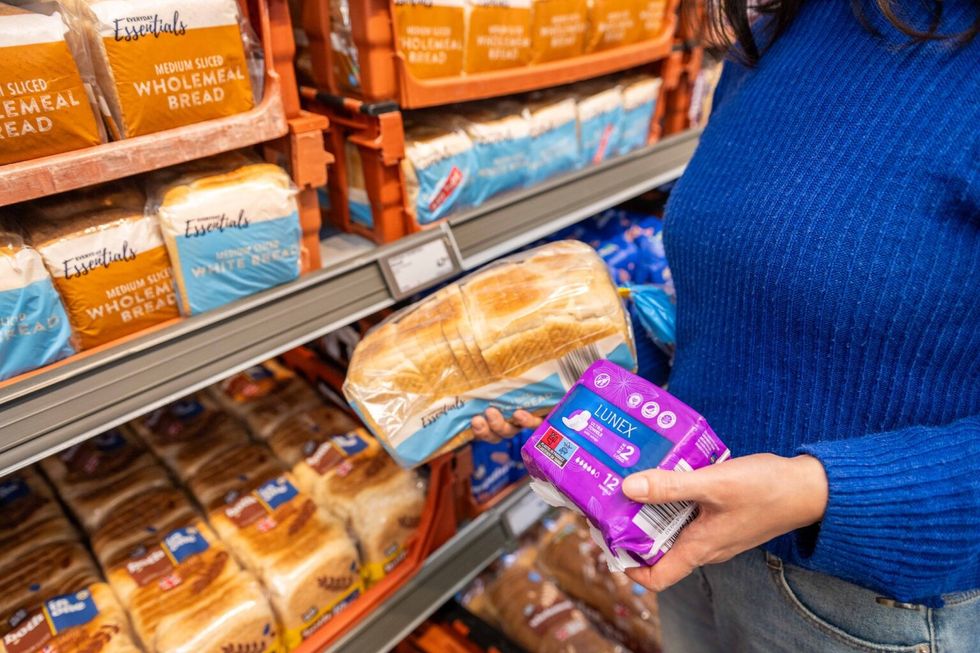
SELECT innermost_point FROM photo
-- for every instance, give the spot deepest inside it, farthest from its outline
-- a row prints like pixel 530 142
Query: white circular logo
pixel 667 419
pixel 602 380
pixel 634 400
pixel 650 409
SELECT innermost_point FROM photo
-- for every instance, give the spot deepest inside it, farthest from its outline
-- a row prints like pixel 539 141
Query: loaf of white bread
pixel 304 558
pixel 517 334
pixel 167 63
pixel 49 105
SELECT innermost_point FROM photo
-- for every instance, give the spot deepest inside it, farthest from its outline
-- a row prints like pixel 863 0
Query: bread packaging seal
pixel 515 334
pixel 610 424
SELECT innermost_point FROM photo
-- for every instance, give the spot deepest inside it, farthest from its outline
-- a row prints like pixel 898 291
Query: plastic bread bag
pixel 538 615
pixel 614 23
pixel 358 203
pixel 265 395
pixel 558 29
pixel 611 424
pixel 501 137
pixel 570 557
pixel 231 230
pixel 345 60
pixel 34 328
pixel 304 558
pixel 554 136
pixel 109 265
pixel 430 36
pixel 168 63
pixel 600 120
pixel 655 311
pixel 49 94
pixel 439 166
pixel 53 597
pixel 350 476
pixel 181 586
pixel 498 35
pixel 653 18
pixel 515 334
pixel 640 95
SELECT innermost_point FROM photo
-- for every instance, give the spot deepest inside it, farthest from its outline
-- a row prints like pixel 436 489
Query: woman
pixel 825 245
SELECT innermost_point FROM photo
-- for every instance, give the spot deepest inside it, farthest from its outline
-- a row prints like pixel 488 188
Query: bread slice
pixel 167 63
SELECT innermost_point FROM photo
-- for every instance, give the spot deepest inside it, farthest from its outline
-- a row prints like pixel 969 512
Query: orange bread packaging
pixel 167 63
pixel 430 36
pixel 558 29
pixel 653 18
pixel 498 34
pixel 47 95
pixel 613 23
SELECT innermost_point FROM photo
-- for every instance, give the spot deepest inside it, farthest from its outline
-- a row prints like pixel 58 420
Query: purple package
pixel 610 424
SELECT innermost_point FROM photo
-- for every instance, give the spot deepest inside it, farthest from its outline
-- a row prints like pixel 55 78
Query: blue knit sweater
pixel 825 245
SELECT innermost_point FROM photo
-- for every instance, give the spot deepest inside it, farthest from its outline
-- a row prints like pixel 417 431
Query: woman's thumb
pixel 662 486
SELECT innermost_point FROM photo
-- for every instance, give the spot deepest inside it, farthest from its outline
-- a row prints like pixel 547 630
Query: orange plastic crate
pixel 384 74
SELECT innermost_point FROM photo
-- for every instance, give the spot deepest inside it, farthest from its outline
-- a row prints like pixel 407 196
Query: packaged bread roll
pixel 264 395
pixel 167 63
pixel 554 136
pixel 510 335
pixel 348 474
pixel 498 34
pixel 304 559
pixel 430 36
pixel 188 433
pixel 110 268
pixel 47 102
pixel 439 165
pixel 34 328
pixel 613 23
pixel 182 588
pixel 600 121
pixel 569 556
pixel 536 614
pixel 558 29
pixel 501 137
pixel 53 599
pixel 229 234
pixel 640 95
pixel 653 18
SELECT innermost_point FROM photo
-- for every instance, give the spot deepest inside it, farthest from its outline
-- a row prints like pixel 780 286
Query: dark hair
pixel 728 23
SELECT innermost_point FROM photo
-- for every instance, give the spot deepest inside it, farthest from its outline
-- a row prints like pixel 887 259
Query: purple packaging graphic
pixel 610 424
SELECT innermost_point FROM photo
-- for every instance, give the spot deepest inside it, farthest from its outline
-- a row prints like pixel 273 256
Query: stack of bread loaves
pixel 183 590
pixel 515 334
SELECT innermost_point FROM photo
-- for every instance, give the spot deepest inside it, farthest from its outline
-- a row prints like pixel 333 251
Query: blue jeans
pixel 757 604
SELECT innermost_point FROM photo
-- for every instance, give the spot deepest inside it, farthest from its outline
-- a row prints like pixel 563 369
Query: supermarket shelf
pixel 445 572
pixel 66 403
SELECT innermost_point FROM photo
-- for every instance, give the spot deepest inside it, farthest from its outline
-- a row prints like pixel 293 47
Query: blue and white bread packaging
pixel 640 94
pixel 600 120
pixel 554 136
pixel 439 166
pixel 515 334
pixel 501 137
pixel 34 329
pixel 230 232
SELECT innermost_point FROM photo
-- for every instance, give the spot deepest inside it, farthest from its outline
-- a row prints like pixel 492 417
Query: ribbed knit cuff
pixel 902 510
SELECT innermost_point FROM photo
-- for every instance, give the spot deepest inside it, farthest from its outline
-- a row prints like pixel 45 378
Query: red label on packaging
pixel 600 153
pixel 29 635
pixel 245 511
pixel 453 179
pixel 150 566
pixel 325 457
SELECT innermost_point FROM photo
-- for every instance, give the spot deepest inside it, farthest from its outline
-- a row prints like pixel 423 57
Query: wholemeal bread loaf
pixel 558 29
pixel 304 558
pixel 230 233
pixel 348 474
pixel 183 589
pixel 613 23
pixel 34 328
pixel 265 395
pixel 53 597
pixel 498 34
pixel 516 334
pixel 167 63
pixel 49 105
pixel 431 36
pixel 110 268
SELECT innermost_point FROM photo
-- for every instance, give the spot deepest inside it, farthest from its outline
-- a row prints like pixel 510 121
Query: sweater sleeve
pixel 903 510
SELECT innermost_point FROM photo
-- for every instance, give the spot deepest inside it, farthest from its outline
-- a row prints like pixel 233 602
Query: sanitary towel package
pixel 610 424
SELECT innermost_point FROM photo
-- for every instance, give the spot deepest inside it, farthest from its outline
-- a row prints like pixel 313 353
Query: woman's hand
pixel 744 502
pixel 493 427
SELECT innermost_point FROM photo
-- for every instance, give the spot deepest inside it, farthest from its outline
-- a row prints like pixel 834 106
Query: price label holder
pixel 525 513
pixel 428 258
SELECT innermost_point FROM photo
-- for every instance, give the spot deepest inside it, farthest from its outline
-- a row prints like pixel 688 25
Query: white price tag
pixel 413 269
pixel 524 514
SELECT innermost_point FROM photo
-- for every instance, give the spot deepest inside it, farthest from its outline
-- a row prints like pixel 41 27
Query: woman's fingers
pixel 527 420
pixel 500 427
pixel 481 430
pixel 491 426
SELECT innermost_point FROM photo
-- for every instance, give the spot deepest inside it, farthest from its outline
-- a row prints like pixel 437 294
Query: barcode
pixel 662 522
pixel 573 364
pixel 669 542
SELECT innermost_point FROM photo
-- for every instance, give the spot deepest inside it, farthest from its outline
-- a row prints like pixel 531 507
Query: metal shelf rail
pixel 53 409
